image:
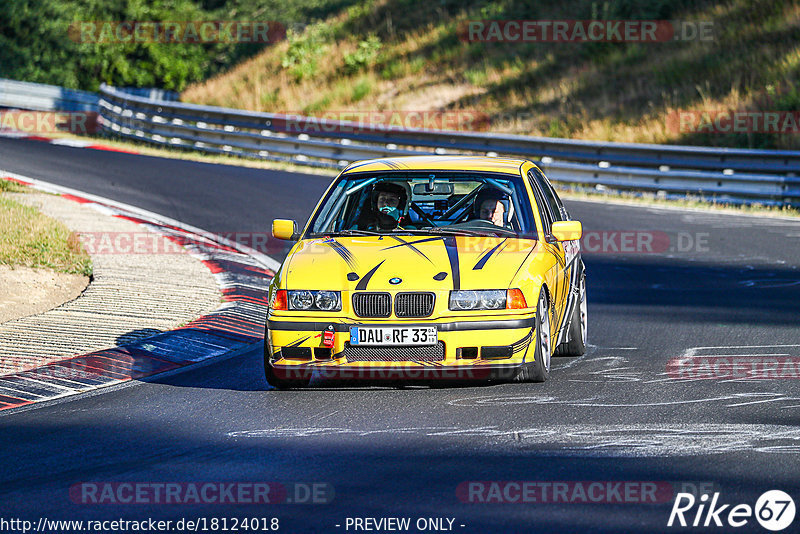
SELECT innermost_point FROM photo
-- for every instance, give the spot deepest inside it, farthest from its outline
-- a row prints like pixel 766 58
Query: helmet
pixel 390 187
pixel 371 216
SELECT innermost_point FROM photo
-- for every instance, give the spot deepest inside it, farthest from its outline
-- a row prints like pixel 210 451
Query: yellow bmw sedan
pixel 428 268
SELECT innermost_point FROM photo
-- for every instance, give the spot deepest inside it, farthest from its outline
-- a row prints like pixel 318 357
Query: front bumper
pixel 473 348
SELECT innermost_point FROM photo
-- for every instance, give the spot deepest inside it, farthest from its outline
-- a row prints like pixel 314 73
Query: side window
pixel 545 210
pixel 561 209
pixel 550 196
pixel 565 216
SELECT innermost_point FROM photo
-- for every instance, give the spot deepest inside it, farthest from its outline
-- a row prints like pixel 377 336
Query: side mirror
pixel 566 230
pixel 285 229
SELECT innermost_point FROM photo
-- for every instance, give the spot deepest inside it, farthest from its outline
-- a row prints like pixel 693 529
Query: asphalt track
pixel 616 414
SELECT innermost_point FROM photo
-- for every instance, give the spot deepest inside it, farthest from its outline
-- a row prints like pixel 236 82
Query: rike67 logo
pixel 774 510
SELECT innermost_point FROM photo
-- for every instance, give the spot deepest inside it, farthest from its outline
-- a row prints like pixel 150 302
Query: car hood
pixel 401 263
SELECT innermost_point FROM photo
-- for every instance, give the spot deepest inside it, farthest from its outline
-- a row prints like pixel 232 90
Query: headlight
pixel 327 300
pixel 492 299
pixel 300 300
pixel 315 300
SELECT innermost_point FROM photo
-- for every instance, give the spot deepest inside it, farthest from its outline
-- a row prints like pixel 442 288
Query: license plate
pixel 393 335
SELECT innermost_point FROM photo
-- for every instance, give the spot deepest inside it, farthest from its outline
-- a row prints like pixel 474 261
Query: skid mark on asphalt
pixel 746 364
pixel 595 368
pixel 590 351
pixel 606 364
pixel 585 440
pixel 729 401
pixel 668 388
pixel 735 363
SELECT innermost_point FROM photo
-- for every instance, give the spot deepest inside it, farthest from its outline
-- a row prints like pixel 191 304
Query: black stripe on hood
pixel 362 284
pixel 451 246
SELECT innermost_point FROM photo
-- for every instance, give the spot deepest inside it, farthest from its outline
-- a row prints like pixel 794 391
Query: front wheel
pixel 539 369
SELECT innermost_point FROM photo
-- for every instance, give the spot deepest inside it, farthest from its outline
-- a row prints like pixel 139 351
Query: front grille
pixel 414 304
pixel 372 304
pixel 425 353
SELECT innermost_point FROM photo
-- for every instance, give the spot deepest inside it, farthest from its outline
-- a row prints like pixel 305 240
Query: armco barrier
pixel 730 175
pixel 40 97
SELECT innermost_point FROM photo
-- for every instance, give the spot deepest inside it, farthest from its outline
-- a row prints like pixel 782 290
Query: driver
pixel 387 203
pixel 491 205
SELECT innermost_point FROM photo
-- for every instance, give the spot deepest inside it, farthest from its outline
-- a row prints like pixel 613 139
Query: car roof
pixel 438 163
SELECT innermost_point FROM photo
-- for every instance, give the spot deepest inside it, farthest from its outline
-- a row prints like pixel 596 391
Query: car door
pixel 550 214
pixel 573 271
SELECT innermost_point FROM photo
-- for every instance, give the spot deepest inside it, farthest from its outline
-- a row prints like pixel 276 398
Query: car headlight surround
pixel 488 299
pixel 307 300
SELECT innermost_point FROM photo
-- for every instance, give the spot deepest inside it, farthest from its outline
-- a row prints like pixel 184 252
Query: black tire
pixel 280 382
pixel 576 335
pixel 539 369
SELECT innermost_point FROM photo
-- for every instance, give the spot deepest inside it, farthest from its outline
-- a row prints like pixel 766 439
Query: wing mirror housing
pixel 566 230
pixel 285 229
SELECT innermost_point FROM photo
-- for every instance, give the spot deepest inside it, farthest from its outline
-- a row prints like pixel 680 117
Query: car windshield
pixel 425 203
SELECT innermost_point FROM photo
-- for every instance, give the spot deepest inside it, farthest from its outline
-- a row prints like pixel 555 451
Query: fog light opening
pixel 467 353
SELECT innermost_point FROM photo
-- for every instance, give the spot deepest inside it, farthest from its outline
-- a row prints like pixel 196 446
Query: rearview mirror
pixel 566 230
pixel 285 229
pixel 439 188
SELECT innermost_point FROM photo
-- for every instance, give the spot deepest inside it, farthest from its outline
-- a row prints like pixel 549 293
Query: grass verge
pixel 7 186
pixel 30 239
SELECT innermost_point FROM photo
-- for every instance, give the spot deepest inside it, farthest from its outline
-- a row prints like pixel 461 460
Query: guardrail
pixel 727 175
pixel 40 97
pixel 43 97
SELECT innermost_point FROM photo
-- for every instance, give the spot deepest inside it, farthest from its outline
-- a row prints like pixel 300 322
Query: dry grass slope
pixel 407 55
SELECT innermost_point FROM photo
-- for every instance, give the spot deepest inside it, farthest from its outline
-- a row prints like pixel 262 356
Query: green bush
pixel 364 56
pixel 303 52
pixel 360 90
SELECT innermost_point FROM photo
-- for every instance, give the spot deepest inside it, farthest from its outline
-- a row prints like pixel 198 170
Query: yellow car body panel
pixel 437 264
